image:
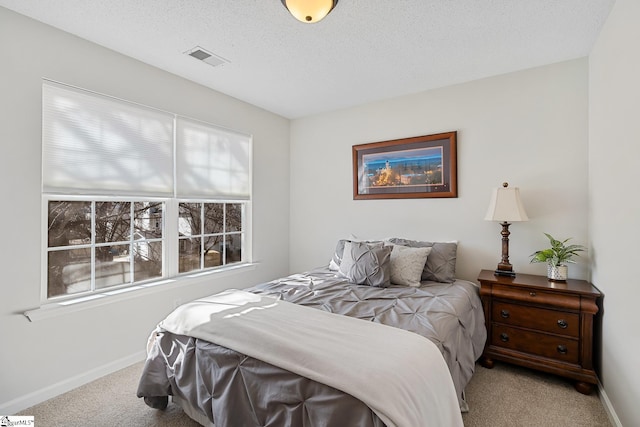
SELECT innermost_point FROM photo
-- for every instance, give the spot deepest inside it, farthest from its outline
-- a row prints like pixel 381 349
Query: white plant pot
pixel 557 272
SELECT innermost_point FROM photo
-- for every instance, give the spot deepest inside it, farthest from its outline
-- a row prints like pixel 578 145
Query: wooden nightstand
pixel 540 324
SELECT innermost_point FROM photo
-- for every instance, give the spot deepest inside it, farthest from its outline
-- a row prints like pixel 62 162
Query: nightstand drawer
pixel 536 296
pixel 559 348
pixel 541 319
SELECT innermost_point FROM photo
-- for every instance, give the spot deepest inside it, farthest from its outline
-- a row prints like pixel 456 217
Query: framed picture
pixel 417 167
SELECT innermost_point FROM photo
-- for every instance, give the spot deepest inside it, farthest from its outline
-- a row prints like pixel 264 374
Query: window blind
pixel 211 162
pixel 94 144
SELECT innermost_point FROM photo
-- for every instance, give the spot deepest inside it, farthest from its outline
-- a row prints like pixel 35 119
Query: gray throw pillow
pixel 441 263
pixel 336 259
pixel 365 265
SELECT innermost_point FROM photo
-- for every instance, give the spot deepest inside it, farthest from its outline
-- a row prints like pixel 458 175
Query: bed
pixel 301 355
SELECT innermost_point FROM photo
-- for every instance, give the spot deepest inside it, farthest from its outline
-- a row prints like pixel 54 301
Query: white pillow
pixel 407 264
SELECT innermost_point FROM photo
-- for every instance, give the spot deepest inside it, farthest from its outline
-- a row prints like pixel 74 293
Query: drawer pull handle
pixel 562 349
pixel 562 323
pixel 504 314
pixel 532 293
pixel 504 337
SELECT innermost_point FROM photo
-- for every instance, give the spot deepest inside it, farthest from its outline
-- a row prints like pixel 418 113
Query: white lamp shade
pixel 309 11
pixel 506 205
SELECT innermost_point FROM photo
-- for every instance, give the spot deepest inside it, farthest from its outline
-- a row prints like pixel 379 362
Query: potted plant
pixel 556 257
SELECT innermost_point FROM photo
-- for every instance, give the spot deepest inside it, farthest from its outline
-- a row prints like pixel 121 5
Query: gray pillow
pixel 365 265
pixel 441 263
pixel 336 259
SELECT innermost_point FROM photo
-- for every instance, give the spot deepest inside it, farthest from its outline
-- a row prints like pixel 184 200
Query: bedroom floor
pixel 508 396
pixel 505 396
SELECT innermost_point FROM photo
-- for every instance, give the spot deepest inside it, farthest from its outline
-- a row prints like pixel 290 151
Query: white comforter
pixel 400 375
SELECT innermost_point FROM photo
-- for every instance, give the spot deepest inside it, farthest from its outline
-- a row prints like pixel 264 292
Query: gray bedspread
pixel 232 389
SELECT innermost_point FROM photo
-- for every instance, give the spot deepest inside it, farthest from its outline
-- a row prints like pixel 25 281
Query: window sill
pixel 50 310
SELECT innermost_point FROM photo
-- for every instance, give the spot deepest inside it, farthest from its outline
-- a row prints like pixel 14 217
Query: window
pixel 95 245
pixel 210 235
pixel 132 194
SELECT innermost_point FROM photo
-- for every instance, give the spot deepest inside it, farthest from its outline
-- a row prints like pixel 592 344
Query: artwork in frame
pixel 416 167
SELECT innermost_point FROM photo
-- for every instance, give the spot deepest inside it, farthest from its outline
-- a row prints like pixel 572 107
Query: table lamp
pixel 505 207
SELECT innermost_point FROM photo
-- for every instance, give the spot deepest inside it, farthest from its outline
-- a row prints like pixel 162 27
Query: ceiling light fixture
pixel 309 11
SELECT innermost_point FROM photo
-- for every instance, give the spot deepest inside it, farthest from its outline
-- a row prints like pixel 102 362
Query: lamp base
pixel 507 273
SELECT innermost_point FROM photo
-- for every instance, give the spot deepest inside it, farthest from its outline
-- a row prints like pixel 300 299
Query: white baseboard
pixel 613 417
pixel 31 399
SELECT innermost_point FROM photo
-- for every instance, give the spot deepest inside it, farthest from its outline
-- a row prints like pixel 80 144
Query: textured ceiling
pixel 365 50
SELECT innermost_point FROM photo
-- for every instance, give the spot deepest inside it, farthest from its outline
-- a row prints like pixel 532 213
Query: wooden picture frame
pixel 408 168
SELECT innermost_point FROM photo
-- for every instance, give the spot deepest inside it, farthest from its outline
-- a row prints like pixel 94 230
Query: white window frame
pixel 46 198
pixel 202 235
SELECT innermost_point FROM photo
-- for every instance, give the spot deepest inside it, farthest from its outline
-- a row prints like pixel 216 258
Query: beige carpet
pixel 505 396
pixel 510 396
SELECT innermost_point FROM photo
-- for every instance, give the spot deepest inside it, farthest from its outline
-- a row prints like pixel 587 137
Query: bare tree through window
pixel 94 245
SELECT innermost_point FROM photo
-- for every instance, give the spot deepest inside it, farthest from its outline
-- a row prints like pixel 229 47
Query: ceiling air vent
pixel 206 56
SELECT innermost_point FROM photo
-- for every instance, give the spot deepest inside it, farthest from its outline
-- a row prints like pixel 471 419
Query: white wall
pixel 614 159
pixel 43 358
pixel 528 128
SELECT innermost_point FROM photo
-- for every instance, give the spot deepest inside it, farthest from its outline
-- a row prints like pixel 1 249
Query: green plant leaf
pixel 559 252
